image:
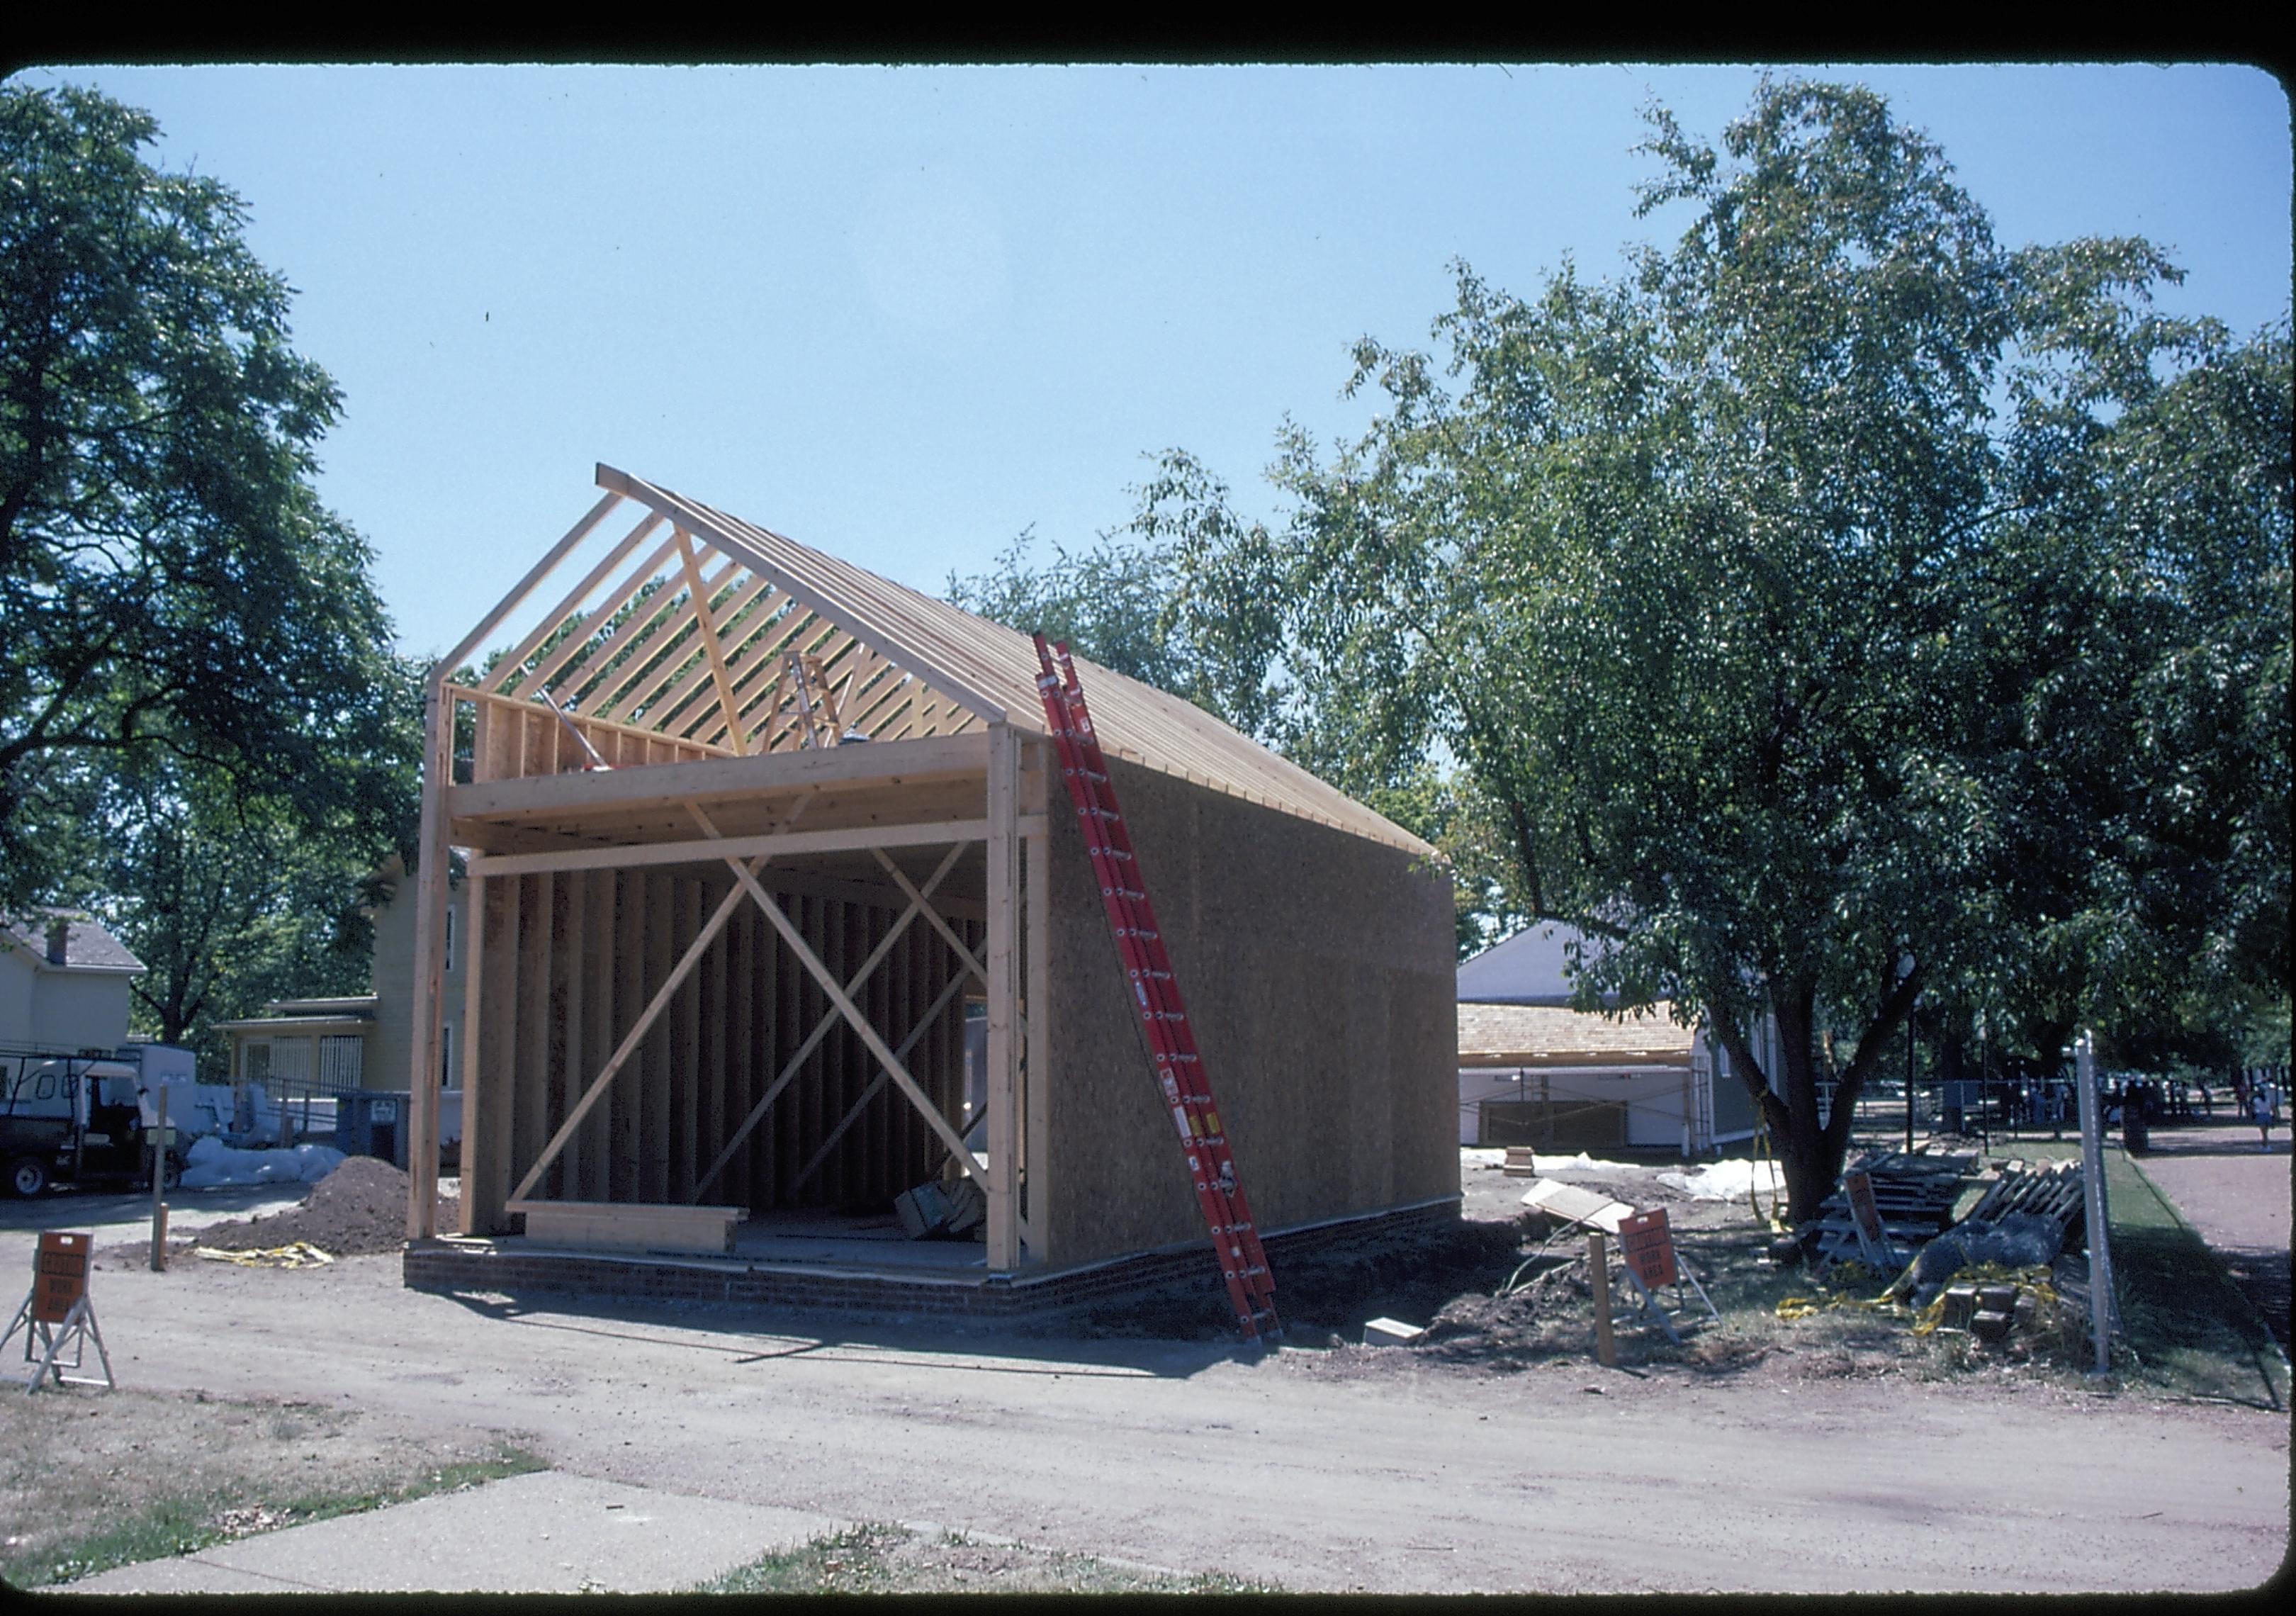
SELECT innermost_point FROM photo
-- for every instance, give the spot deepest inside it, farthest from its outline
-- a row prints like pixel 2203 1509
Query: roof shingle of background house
pixel 87 946
pixel 1527 1035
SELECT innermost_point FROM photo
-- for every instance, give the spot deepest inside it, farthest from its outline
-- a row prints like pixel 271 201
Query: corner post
pixel 1003 1229
pixel 466 1056
pixel 1036 1148
pixel 431 857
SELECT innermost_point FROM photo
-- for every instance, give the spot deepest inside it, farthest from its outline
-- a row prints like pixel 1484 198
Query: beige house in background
pixel 364 1041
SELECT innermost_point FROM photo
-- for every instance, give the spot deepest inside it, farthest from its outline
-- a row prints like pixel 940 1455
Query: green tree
pixel 1185 598
pixel 228 900
pixel 168 580
pixel 2166 557
pixel 1776 598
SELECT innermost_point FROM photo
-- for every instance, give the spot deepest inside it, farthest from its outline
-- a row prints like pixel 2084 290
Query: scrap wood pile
pixel 359 1209
pixel 2024 1222
pixel 1990 1274
pixel 2040 1189
pixel 1914 1194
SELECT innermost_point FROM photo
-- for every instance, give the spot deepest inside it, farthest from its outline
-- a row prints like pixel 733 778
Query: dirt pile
pixel 1551 1311
pixel 359 1210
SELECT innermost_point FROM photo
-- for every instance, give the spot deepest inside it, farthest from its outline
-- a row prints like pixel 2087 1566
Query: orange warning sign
pixel 1647 1246
pixel 59 1275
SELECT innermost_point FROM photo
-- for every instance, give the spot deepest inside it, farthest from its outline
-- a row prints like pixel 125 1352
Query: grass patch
pixel 2189 1327
pixel 882 1558
pixel 90 1479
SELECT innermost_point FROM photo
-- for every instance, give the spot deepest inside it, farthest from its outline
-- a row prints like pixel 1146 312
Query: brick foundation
pixel 882 1296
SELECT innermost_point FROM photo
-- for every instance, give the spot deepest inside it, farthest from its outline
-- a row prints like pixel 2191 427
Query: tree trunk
pixel 1810 1153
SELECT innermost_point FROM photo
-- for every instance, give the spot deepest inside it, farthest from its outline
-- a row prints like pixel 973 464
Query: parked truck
pixel 84 1119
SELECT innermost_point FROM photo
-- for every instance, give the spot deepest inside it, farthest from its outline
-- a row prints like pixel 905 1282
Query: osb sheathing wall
pixel 1318 969
pixel 567 962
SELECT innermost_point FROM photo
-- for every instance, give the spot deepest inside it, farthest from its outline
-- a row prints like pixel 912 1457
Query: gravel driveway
pixel 1317 1470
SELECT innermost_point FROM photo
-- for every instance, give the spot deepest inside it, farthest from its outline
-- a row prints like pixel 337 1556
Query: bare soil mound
pixel 359 1210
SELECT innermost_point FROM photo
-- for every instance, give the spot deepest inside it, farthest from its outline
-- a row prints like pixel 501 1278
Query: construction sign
pixel 1865 1215
pixel 59 1275
pixel 1647 1246
pixel 56 1313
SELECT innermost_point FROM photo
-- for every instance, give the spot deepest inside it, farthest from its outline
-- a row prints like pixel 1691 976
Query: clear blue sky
pixel 903 314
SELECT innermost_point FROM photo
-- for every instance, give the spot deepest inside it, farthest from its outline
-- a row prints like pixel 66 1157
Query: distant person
pixel 2260 1112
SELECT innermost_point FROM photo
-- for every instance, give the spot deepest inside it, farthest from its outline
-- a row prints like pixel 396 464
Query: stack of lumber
pixel 1915 1193
pixel 2045 1189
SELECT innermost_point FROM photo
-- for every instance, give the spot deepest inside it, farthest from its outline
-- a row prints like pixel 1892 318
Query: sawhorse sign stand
pixel 1646 1245
pixel 1865 1216
pixel 57 1313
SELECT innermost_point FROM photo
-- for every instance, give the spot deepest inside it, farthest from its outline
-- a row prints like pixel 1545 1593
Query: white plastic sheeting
pixel 213 1163
pixel 1728 1179
pixel 1583 1163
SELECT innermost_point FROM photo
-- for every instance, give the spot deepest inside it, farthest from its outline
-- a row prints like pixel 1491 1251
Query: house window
pixel 447 1057
pixel 446 963
pixel 342 1060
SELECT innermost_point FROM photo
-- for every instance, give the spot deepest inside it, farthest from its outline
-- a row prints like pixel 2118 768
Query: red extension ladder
pixel 1157 995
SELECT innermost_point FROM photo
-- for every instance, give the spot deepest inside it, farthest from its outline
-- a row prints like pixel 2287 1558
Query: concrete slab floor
pixel 544 1533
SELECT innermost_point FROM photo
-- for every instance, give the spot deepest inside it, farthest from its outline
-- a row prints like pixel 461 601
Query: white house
pixel 63 983
pixel 1534 1072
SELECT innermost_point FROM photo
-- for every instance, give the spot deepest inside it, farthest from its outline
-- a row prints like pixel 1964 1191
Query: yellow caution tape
pixel 1848 1273
pixel 301 1254
pixel 2033 1282
pixel 1763 1158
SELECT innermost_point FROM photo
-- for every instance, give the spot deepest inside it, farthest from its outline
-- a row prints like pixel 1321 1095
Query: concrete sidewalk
pixel 545 1532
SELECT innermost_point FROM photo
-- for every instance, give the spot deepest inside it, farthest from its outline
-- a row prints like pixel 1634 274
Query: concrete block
pixel 1988 1324
pixel 1391 1332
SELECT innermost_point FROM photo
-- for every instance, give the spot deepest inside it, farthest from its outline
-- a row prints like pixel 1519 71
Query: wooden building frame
pixel 721 746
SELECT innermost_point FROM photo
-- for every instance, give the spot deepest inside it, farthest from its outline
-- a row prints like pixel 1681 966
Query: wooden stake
pixel 1598 1266
pixel 159 1183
